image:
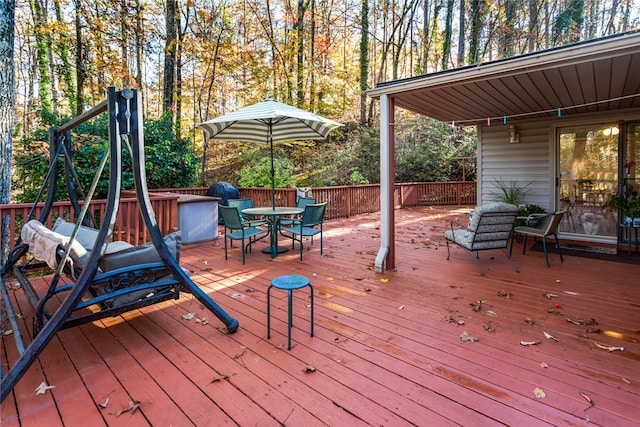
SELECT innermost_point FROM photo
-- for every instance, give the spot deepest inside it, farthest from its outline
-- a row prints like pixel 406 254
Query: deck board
pixel 386 350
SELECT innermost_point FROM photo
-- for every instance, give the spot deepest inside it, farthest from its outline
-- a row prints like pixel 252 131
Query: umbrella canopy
pixel 268 122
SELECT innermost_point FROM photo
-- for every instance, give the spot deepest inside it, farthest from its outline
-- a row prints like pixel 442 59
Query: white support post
pixel 385 187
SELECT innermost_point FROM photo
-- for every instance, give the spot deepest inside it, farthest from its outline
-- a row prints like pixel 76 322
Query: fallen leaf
pixel 544 365
pixel 339 340
pixel 8 332
pixel 449 319
pixel 530 321
pixel 460 322
pixel 489 327
pixel 587 398
pixel 309 368
pixel 188 316
pixel 133 406
pixel 401 307
pixel 550 337
pixel 527 343
pixel 466 337
pixel 202 320
pixel 505 294
pixel 608 347
pixel 539 393
pixel 491 313
pixel 43 387
pixel 384 280
pixel 221 377
pixel 476 306
pixel 549 295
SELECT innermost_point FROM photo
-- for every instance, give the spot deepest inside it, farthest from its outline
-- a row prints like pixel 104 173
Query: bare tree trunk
pixel 170 53
pixel 477 11
pixel 461 33
pixel 364 59
pixel 67 70
pixel 124 43
pixel 302 9
pixel 534 26
pixel 42 46
pixel 446 38
pixel 508 29
pixel 81 72
pixel 139 50
pixel 7 113
pixel 312 57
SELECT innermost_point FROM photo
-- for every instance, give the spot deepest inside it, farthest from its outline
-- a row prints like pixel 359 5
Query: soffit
pixel 594 76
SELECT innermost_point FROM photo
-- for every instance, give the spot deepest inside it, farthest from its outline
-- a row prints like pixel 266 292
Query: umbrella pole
pixel 273 171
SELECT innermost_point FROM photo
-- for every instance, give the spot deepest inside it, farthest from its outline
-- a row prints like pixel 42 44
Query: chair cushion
pixel 86 235
pixel 141 254
pixel 43 243
pixel 489 224
pixel 137 255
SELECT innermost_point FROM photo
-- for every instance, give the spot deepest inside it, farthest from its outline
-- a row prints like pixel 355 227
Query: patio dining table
pixel 273 214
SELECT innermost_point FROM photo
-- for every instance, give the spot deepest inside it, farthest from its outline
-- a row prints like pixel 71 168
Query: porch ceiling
pixel 591 76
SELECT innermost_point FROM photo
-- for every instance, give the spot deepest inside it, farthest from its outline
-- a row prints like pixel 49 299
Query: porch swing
pixel 94 277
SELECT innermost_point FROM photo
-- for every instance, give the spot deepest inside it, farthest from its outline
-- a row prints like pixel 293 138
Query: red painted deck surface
pixel 387 348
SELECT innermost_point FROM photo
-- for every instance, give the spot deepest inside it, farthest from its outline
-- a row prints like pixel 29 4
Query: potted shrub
pixel 529 211
pixel 629 206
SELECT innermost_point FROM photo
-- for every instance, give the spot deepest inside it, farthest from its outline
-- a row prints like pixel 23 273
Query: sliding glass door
pixel 589 177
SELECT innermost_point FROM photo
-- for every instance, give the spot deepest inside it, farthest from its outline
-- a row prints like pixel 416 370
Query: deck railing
pixel 343 202
pixel 349 200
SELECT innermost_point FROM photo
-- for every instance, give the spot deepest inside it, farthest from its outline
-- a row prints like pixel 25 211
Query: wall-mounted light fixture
pixel 514 136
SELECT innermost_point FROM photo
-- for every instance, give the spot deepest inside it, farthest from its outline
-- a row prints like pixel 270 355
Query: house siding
pixel 526 162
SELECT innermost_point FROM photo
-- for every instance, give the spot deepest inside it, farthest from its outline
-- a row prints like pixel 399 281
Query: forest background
pixel 194 60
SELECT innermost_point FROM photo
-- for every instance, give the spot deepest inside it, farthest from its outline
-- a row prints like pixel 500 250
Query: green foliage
pixel 628 204
pixel 528 210
pixel 512 192
pixel 428 150
pixel 170 162
pixel 358 179
pixel 257 172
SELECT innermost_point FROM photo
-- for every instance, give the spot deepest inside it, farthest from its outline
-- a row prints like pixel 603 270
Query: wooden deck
pixel 386 352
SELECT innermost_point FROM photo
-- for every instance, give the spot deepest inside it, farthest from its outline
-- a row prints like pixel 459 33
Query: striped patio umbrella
pixel 268 122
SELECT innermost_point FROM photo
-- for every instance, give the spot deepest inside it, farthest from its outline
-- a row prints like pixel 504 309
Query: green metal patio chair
pixel 301 203
pixel 243 204
pixel 309 226
pixel 239 230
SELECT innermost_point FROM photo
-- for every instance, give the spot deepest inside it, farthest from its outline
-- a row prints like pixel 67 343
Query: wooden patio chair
pixel 490 228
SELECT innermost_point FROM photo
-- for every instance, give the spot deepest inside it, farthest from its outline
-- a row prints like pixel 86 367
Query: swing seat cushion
pixel 141 254
pixel 43 244
pixel 47 245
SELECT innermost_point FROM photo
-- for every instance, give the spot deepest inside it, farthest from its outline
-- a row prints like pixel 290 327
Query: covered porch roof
pixel 591 76
pixel 587 77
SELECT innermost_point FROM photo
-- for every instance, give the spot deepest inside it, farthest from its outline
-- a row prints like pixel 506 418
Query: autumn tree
pixel 7 109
